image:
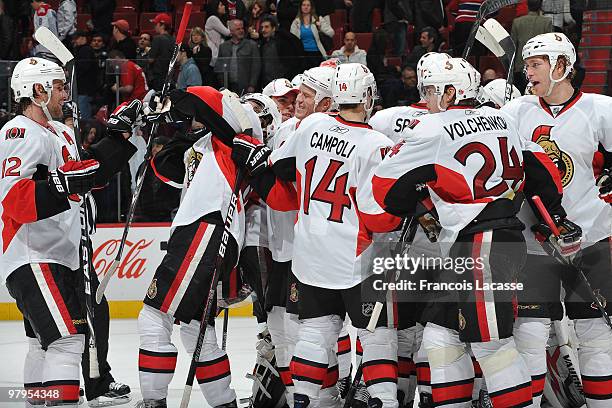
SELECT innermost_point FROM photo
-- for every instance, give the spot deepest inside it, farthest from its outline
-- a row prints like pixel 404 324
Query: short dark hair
pixel 270 19
pixel 431 32
pixel 534 5
pixel 116 54
pixel 186 49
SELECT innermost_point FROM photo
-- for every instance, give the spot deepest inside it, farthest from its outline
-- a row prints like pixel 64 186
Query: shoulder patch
pixel 15 133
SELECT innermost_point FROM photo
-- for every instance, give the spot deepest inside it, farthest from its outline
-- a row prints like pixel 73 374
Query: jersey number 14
pixel 337 198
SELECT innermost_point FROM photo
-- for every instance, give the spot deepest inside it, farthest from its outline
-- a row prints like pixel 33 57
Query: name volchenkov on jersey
pixel 466 127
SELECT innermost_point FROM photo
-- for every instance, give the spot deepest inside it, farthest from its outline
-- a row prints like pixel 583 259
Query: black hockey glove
pixel 74 177
pixel 604 182
pixel 125 117
pixel 253 157
pixel 564 247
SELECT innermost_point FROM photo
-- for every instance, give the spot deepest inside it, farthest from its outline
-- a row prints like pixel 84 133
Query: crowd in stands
pixel 123 48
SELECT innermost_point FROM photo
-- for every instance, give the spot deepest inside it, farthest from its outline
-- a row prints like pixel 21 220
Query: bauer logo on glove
pixel 74 177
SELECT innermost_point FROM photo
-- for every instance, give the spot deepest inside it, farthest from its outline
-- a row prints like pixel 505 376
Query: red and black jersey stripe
pixel 453 392
pixel 517 396
pixel 379 371
pixel 597 387
pixel 537 384
pixel 285 375
pixel 156 362
pixel 213 370
pixel 309 371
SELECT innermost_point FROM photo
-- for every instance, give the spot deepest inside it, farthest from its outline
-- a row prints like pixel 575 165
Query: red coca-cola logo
pixel 132 265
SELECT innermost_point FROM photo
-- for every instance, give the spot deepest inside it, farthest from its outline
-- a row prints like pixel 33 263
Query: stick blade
pixel 486 39
pixel 48 40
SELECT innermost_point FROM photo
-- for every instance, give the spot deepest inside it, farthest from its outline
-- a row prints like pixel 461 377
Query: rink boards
pixel 144 251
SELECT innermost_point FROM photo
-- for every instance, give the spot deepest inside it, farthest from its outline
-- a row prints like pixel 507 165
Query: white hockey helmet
pixel 552 45
pixel 425 62
pixel 267 111
pixel 319 79
pixel 297 80
pixel 495 91
pixel 355 84
pixel 32 71
pixel 456 72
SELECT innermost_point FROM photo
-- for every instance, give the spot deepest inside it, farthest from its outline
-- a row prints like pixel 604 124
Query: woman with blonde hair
pixel 308 27
pixel 202 55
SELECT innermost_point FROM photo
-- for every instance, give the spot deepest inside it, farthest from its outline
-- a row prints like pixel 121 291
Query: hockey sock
pixel 423 373
pixel 379 364
pixel 478 380
pixel 507 376
pixel 277 321
pixel 33 371
pixel 531 336
pixel 213 367
pixel 595 359
pixel 61 370
pixel 405 364
pixel 316 340
pixel 157 355
pixel 451 369
pixel 329 396
pixel 343 352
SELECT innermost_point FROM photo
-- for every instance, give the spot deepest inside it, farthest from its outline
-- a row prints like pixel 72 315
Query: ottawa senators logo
pixel 565 165
pixel 293 293
pixel 152 291
pixel 462 322
pixel 15 133
pixel 193 161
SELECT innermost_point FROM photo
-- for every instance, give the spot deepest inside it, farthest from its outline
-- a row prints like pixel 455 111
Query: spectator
pixel 66 20
pixel 286 10
pixel 429 13
pixel 202 56
pixel 280 52
pixel 102 15
pixel 236 9
pixel 403 92
pixel 350 52
pixel 122 40
pixel 190 74
pixel 89 133
pixel 215 28
pixel 308 27
pixel 100 54
pixel 427 38
pixel 133 84
pixel 377 62
pixel 489 75
pixel 559 11
pixel 44 16
pixel 142 52
pixel 86 69
pixel 283 94
pixel 524 28
pixel 397 15
pixel 577 8
pixel 8 36
pixel 157 198
pixel 161 50
pixel 257 11
pixel 241 60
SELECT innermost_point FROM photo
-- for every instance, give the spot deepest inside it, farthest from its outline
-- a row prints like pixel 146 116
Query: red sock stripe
pixel 518 396
pixel 537 384
pixel 209 371
pixel 599 388
pixel 358 347
pixel 285 376
pixel 305 370
pixel 405 367
pixel 453 392
pixel 62 390
pixel 423 374
pixel 477 369
pixel 331 379
pixel 154 362
pixel 344 345
pixel 377 371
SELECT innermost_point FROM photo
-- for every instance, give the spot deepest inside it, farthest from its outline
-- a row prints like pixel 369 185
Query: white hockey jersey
pixel 331 159
pixel 570 135
pixel 280 223
pixel 36 227
pixel 395 122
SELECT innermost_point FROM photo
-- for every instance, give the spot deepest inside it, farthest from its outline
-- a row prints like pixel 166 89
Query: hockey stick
pixel 213 287
pixel 485 38
pixel 225 324
pixel 596 300
pixel 130 216
pixel 505 42
pixel 487 7
pixel 47 39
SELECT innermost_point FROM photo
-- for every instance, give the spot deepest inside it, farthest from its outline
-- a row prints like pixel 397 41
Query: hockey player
pixel 494 93
pixel 448 151
pixel 331 240
pixel 283 94
pixel 41 226
pixel 574 129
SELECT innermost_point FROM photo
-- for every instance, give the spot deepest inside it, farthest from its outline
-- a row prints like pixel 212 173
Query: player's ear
pixel 38 90
pixel 326 104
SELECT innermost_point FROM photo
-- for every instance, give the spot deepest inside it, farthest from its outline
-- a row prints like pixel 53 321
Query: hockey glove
pixel 563 247
pixel 604 182
pixel 253 157
pixel 74 177
pixel 125 117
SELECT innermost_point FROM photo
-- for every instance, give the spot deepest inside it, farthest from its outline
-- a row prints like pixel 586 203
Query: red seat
pixel 338 38
pixel 53 3
pixel 145 24
pixel 338 19
pixel 363 40
pixel 83 20
pixel 196 19
pixel 490 61
pixel 376 19
pixel 130 17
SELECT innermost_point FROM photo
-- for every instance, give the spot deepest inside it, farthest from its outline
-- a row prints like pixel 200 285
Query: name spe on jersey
pixel 331 144
pixel 468 126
